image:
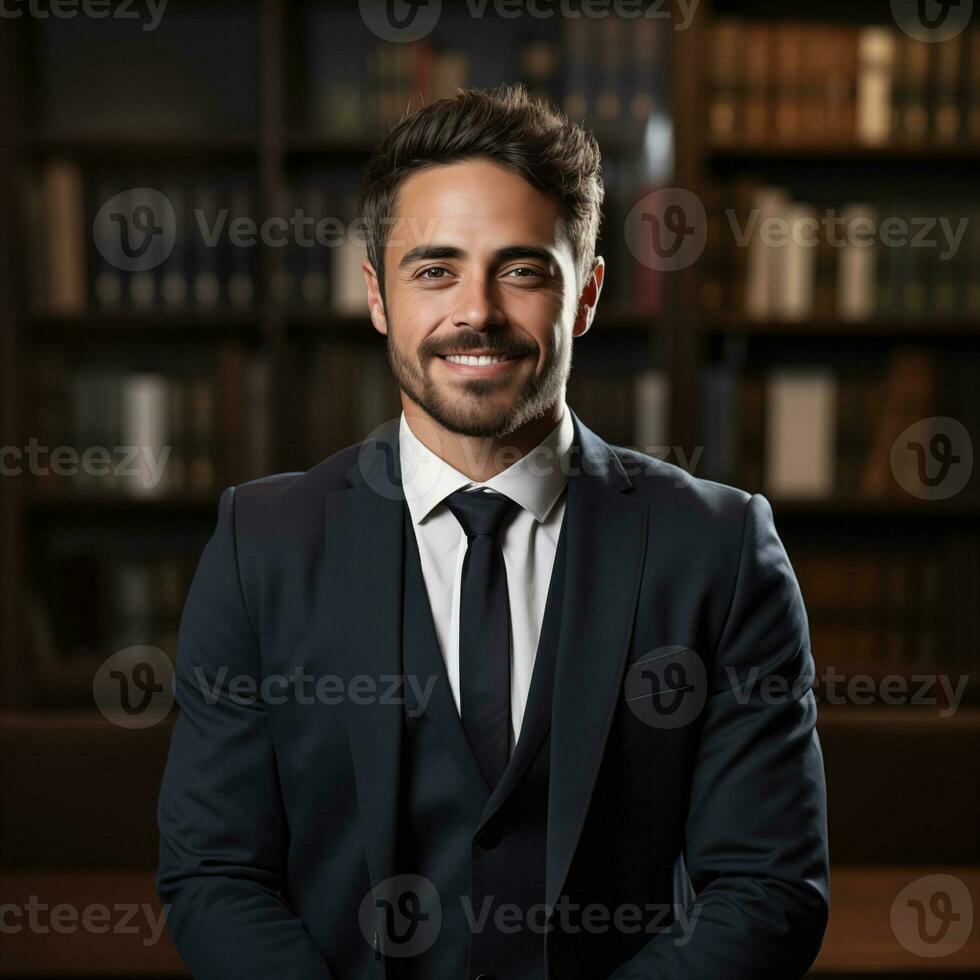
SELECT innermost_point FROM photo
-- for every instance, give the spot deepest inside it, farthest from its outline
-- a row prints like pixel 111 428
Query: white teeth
pixel 474 361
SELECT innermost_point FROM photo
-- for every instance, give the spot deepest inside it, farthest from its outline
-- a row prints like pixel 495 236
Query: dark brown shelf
pixel 856 152
pixel 153 145
pixel 355 149
pixel 139 324
pixel 922 719
pixel 115 505
pixel 878 327
pixel 955 508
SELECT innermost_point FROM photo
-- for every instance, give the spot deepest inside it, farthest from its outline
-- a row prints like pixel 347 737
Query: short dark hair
pixel 505 125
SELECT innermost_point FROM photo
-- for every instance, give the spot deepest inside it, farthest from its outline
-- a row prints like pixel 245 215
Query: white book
pixel 801 432
pixel 766 258
pixel 348 289
pixel 796 286
pixel 144 431
pixel 857 265
pixel 876 63
pixel 651 421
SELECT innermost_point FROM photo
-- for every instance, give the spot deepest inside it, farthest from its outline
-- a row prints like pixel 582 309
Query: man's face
pixel 477 263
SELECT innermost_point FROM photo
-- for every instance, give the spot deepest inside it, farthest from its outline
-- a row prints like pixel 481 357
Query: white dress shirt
pixel 529 542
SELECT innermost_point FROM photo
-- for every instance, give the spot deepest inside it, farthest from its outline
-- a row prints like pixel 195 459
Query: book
pixel 801 423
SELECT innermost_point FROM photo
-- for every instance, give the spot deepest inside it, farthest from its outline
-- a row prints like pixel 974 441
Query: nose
pixel 478 306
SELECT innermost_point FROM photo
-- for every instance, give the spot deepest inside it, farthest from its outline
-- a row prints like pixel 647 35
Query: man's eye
pixel 528 271
pixel 433 268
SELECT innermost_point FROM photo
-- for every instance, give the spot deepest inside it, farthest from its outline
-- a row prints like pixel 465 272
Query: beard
pixel 471 406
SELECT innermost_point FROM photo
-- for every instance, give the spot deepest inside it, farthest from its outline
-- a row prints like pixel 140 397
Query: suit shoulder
pixel 282 498
pixel 686 495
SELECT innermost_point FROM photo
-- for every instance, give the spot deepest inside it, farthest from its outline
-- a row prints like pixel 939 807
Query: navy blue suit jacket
pixel 682 726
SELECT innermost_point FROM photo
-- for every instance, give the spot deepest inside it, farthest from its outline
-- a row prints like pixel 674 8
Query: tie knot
pixel 480 511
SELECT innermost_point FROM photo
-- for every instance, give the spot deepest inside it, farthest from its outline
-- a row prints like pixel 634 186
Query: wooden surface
pixel 860 937
pixel 120 948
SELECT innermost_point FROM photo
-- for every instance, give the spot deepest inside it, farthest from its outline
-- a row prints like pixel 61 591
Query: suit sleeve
pixel 223 836
pixel 756 833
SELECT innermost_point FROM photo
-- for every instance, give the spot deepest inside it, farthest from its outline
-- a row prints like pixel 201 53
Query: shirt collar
pixel 535 481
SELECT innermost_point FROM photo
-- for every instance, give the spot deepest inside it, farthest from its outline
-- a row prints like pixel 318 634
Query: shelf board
pixel 955 508
pixel 955 153
pixel 101 505
pixel 310 144
pixel 151 146
pixel 139 323
pixel 817 327
pixel 922 719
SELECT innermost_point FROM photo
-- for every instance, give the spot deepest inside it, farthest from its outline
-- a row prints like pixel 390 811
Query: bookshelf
pixel 293 371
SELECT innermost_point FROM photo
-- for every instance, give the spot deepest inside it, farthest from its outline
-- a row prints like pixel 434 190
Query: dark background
pixel 268 363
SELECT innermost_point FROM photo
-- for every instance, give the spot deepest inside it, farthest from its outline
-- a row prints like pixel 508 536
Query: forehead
pixel 472 198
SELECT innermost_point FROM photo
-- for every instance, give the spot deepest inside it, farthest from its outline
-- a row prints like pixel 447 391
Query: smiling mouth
pixel 476 360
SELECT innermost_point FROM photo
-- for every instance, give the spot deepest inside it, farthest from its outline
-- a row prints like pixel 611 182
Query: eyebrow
pixel 427 252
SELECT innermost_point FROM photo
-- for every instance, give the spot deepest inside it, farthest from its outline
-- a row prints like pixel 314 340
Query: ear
pixel 589 298
pixel 376 306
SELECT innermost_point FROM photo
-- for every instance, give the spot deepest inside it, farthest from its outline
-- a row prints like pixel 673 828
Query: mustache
pixel 468 342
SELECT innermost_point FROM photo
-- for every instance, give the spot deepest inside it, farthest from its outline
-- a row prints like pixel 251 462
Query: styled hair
pixel 505 125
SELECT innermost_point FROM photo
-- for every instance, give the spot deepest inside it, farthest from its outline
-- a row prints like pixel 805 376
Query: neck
pixel 480 457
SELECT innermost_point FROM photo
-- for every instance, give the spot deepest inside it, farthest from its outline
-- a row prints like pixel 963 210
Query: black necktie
pixel 484 629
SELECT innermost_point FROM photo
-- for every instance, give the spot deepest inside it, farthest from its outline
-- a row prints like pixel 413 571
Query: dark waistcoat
pixel 479 857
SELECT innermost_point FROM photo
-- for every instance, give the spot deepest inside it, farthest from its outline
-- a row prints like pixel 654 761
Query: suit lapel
pixel 607 534
pixel 363 550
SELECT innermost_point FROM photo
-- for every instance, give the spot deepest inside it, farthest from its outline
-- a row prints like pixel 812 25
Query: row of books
pixel 797 83
pixel 628 411
pixel 98 599
pixel 768 256
pixel 209 249
pixel 885 611
pixel 607 71
pixel 130 432
pixel 823 431
pixel 205 249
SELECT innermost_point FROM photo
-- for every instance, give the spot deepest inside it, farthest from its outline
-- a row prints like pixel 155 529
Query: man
pixel 484 696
